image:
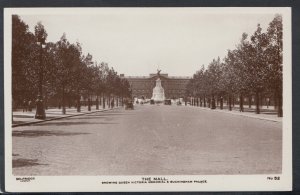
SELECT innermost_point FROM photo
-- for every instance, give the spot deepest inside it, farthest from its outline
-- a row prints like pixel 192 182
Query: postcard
pixel 148 99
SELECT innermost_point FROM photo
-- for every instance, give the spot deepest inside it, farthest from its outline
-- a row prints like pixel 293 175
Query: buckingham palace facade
pixel 142 86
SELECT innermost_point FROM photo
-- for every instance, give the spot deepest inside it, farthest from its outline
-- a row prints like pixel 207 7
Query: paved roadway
pixel 150 140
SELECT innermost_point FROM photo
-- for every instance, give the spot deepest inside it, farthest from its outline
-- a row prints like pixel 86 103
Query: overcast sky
pixel 138 41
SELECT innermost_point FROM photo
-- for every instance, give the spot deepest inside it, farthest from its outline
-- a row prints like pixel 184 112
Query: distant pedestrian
pixel 24 106
pixel 29 105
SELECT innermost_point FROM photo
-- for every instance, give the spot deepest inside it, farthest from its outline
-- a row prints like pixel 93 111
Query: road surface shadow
pixel 107 123
pixel 252 110
pixel 160 147
pixel 33 133
pixel 67 123
pixel 22 116
pixel 21 162
pixel 89 117
pixel 17 122
pixel 112 114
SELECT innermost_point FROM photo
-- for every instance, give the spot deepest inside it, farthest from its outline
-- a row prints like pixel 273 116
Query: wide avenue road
pixel 150 140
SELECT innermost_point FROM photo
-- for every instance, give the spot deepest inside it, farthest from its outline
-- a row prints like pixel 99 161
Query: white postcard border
pixel 94 183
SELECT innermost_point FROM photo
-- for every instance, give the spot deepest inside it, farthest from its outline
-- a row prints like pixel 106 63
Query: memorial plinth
pixel 158 94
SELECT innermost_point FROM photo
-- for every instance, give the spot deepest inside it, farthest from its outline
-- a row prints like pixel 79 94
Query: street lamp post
pixel 40 110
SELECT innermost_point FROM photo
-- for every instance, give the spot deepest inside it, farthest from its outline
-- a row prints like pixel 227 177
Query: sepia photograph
pixel 148 99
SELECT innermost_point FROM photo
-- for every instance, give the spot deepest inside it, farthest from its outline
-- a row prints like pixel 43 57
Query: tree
pixel 257 58
pixel 254 67
pixel 24 62
pixel 213 80
pixel 274 60
pixel 229 76
pixel 59 71
pixel 243 68
pixel 67 64
pixel 200 85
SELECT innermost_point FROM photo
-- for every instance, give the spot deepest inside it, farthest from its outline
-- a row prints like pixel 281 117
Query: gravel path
pixel 150 140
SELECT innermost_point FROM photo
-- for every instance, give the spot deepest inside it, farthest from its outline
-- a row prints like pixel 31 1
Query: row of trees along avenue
pixel 59 72
pixel 251 72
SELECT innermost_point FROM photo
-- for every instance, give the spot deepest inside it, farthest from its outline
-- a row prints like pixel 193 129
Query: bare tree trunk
pixel 275 100
pixel 257 111
pixel 69 101
pixel 63 100
pixel 229 102
pixel 241 103
pixel 103 101
pixel 46 101
pixel 108 102
pixel 201 102
pixel 260 101
pixel 97 103
pixel 279 110
pixel 250 101
pixel 89 103
pixel 213 102
pixel 78 101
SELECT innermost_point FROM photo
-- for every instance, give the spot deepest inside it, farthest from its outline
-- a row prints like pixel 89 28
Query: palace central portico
pixel 142 86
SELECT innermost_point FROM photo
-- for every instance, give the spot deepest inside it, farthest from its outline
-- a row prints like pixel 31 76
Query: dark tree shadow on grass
pixel 36 133
pixel 109 114
pixel 67 123
pixel 17 122
pixel 22 116
pixel 21 162
pixel 91 117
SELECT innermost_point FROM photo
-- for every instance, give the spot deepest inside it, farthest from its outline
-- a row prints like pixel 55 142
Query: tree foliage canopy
pixel 253 67
pixel 65 69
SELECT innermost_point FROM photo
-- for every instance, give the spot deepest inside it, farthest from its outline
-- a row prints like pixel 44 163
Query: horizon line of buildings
pixel 142 86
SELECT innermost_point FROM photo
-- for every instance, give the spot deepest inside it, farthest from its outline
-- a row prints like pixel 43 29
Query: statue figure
pixel 158 72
